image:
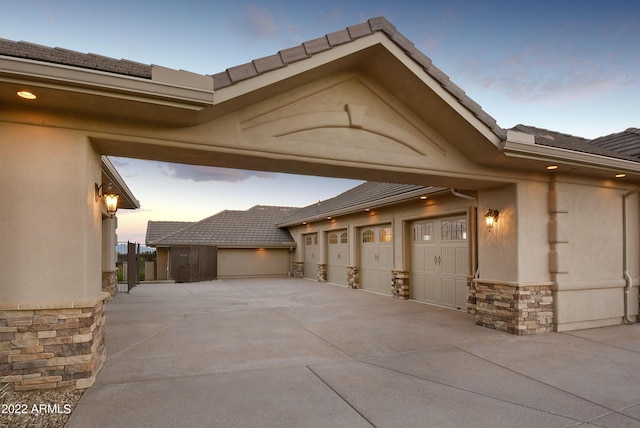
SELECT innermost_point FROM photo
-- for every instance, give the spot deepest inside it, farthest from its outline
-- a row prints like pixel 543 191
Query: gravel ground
pixel 37 409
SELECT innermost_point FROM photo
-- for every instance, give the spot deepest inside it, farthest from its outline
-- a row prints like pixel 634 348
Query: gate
pixel 135 263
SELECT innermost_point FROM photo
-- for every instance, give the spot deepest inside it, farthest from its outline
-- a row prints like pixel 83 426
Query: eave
pixel 523 152
pixel 109 175
pixel 169 96
pixel 358 208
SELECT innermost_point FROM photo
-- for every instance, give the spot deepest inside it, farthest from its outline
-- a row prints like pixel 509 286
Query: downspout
pixel 625 262
pixel 462 195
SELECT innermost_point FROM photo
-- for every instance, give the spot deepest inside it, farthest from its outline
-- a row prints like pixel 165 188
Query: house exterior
pixel 364 103
pixel 244 244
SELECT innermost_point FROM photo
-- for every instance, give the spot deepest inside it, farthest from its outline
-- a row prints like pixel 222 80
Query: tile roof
pixel 610 146
pixel 255 227
pixel 158 229
pixel 72 58
pixel 367 195
pixel 626 142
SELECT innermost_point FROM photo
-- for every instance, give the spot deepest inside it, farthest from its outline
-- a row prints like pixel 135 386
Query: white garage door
pixel 376 253
pixel 311 256
pixel 337 257
pixel 440 261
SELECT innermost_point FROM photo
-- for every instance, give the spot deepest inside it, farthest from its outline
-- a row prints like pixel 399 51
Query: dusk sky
pixel 565 65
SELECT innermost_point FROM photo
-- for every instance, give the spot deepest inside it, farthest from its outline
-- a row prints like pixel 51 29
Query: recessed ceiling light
pixel 621 175
pixel 27 95
pixel 423 197
pixel 552 167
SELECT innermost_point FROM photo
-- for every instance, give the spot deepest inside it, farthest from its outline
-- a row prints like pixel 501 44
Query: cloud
pixel 541 74
pixel 260 23
pixel 208 173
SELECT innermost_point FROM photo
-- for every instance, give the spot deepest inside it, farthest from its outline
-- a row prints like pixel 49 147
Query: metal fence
pixel 135 263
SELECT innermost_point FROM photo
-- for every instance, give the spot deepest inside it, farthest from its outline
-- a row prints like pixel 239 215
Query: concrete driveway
pixel 296 353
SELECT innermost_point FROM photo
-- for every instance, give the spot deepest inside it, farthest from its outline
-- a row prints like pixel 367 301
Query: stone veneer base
pixel 400 284
pixel 297 269
pixel 520 309
pixel 52 345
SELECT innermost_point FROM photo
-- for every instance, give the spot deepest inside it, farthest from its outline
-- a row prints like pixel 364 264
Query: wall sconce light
pixel 491 218
pixel 110 198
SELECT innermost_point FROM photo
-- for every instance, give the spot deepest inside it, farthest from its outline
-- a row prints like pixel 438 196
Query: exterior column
pixel 400 284
pixel 297 269
pixel 51 299
pixel 322 272
pixel 109 257
pixel 353 277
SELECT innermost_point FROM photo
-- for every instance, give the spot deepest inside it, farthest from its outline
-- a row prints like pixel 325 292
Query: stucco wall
pixel 588 265
pixel 498 249
pixel 51 225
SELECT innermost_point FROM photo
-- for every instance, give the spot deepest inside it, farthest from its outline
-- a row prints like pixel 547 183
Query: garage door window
pixel 343 238
pixel 385 234
pixel 423 232
pixel 333 238
pixel 368 236
pixel 311 239
pixel 454 230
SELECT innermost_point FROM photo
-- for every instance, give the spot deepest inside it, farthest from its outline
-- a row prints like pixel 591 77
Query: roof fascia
pixel 521 145
pixel 445 89
pixel 167 87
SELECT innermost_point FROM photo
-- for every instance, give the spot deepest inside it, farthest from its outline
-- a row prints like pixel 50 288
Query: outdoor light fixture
pixel 491 218
pixel 26 95
pixel 110 198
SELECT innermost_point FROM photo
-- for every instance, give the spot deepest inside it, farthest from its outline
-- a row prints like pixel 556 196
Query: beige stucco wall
pixel 589 278
pixel 498 249
pixel 516 250
pixel 51 226
pixel 253 262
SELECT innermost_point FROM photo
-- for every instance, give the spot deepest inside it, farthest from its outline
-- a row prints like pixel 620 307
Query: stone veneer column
pixel 52 345
pixel 514 308
pixel 400 284
pixel 298 269
pixel 353 277
pixel 110 283
pixel 322 272
pixel 471 296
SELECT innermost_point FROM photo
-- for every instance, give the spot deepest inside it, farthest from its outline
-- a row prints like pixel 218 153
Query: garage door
pixel 252 262
pixel 376 251
pixel 311 256
pixel 440 261
pixel 337 257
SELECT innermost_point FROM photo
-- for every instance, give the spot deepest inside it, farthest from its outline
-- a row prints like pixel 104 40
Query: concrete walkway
pixel 296 353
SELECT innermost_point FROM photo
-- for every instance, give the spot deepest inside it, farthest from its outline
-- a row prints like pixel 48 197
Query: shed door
pixel 311 256
pixel 337 257
pixel 440 261
pixel 376 254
